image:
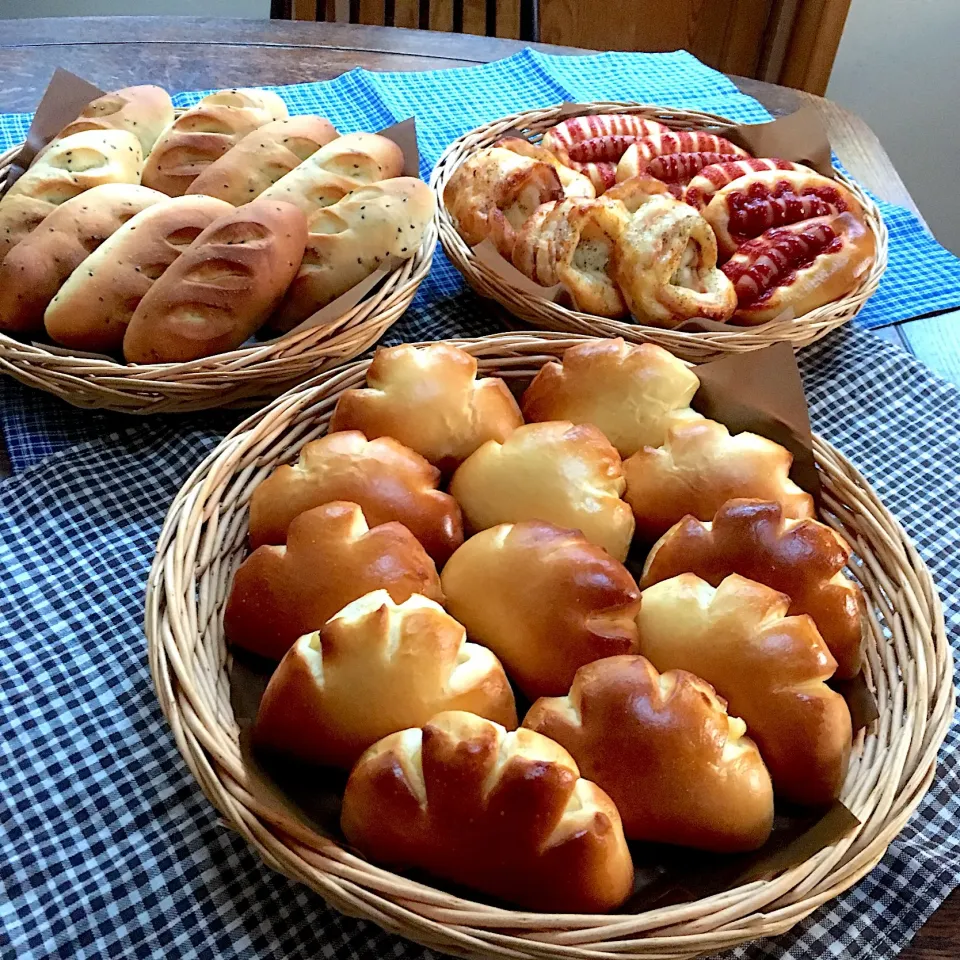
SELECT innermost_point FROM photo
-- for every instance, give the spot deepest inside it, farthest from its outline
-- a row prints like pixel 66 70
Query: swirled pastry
pixel 574 184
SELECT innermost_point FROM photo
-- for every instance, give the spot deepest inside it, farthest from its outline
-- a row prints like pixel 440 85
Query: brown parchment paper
pixel 799 136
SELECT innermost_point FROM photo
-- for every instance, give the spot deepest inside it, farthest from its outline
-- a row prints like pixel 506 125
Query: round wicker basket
pixel 909 669
pixel 694 346
pixel 245 377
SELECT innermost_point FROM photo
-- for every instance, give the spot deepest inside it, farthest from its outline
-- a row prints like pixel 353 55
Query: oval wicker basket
pixel 694 346
pixel 909 668
pixel 246 377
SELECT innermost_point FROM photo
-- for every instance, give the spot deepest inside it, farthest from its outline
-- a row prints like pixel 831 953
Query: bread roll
pixel 38 266
pixel 544 600
pixel 632 393
pixel 331 558
pixel 386 479
pixel 504 813
pixel 94 307
pixel 375 668
pixel 564 474
pixel 222 288
pixel 770 668
pixel 349 240
pixel 802 558
pixel 349 162
pixel 429 399
pixel 574 184
pixel 699 467
pixel 678 767
pixel 204 133
pixel 262 157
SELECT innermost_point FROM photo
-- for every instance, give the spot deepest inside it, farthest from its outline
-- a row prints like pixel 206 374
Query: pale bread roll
pixel 93 308
pixel 262 157
pixel 39 265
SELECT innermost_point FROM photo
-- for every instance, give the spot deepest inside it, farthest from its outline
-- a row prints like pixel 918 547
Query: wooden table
pixel 186 53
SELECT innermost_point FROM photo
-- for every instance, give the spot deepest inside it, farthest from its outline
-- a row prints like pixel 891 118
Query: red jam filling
pixel 757 208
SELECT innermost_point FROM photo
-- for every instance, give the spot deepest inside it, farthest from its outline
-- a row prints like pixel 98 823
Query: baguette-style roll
pixel 373 669
pixel 222 288
pixel 545 601
pixel 770 668
pixel 39 265
pixel 679 768
pixel 94 307
pixel 205 133
pixel 504 813
pixel 77 163
pixel 349 240
pixel 331 558
pixel 349 162
pixel 262 157
pixel 386 479
pixel 429 398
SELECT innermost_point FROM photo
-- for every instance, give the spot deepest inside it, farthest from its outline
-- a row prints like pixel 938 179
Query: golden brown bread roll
pixel 386 479
pixel 564 474
pixel 429 399
pixel 33 272
pixel 204 133
pixel 349 240
pixel 222 288
pixel 544 600
pixel 801 558
pixel 770 668
pixel 332 557
pixel 373 669
pixel 262 157
pixel 699 467
pixel 574 184
pixel 632 393
pixel 94 306
pixel 504 813
pixel 678 767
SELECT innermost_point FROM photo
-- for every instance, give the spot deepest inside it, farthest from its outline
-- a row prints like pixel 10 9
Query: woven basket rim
pixel 203 539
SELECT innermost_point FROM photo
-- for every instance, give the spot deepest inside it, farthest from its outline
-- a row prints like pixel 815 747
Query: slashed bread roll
pixel 373 669
pixel 222 288
pixel 770 668
pixel 94 307
pixel 504 813
pixel 429 398
pixel 204 133
pixel 545 601
pixel 33 272
pixel 554 471
pixel 262 157
pixel 678 767
pixel 331 558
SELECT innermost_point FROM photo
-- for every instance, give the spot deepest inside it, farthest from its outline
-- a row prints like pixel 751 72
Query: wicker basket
pixel 694 346
pixel 909 668
pixel 246 377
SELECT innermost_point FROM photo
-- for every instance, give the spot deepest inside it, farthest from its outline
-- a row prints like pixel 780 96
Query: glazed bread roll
pixel 349 162
pixel 564 474
pixel 94 307
pixel 38 266
pixel 331 558
pixel 429 399
pixel 770 668
pixel 373 669
pixel 77 163
pixel 802 558
pixel 349 240
pixel 504 813
pixel 678 767
pixel 699 467
pixel 205 133
pixel 222 288
pixel 545 600
pixel 262 157
pixel 632 393
pixel 387 480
